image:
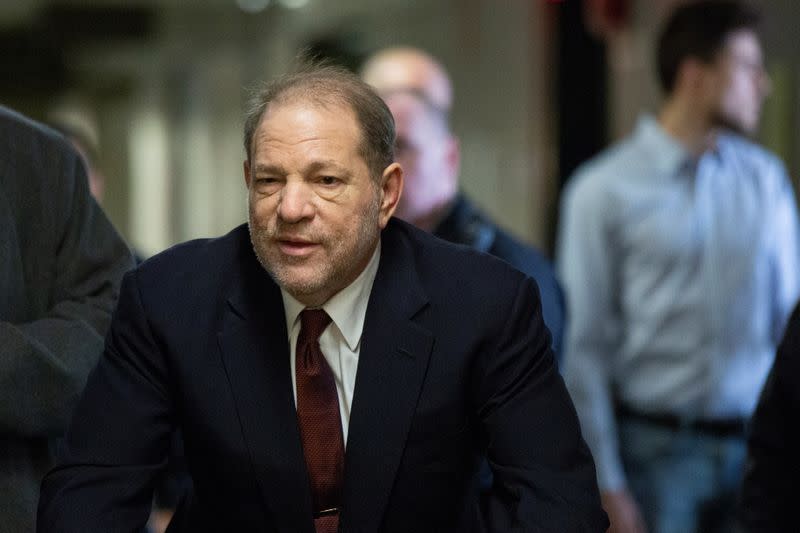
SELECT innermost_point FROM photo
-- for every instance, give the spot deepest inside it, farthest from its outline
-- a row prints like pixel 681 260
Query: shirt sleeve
pixel 585 259
pixel 45 361
pixel 785 250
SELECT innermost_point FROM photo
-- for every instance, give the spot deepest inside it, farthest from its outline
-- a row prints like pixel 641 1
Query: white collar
pixel 347 308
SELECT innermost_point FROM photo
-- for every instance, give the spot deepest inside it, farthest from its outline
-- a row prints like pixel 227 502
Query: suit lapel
pixel 391 369
pixel 255 352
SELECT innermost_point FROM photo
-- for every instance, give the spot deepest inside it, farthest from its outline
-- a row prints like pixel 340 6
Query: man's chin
pixel 301 287
pixel 742 127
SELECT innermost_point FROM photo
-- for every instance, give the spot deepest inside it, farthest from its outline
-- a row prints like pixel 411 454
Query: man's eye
pixel 329 180
pixel 266 184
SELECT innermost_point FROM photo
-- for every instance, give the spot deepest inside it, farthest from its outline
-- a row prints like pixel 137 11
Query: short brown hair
pixel 325 85
pixel 698 29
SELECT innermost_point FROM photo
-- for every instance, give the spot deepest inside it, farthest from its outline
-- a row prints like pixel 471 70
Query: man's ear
pixel 246 166
pixel 691 74
pixel 391 187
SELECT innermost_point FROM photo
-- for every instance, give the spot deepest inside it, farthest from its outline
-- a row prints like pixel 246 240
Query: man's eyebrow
pixel 314 166
pixel 262 168
pixel 325 164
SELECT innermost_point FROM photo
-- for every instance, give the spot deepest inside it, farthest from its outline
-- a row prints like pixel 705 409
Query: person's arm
pixel 118 441
pixel 784 235
pixel 543 474
pixel 44 362
pixel 770 480
pixel 589 276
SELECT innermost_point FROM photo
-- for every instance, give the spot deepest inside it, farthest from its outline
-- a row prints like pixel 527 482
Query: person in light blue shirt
pixel 678 251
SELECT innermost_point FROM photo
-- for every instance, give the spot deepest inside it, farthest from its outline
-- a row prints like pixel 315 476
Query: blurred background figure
pixel 769 492
pixel 61 263
pixel 679 255
pixel 78 125
pixel 419 93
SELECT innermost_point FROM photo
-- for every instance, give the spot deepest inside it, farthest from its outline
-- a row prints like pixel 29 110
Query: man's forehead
pixel 742 41
pixel 409 99
pixel 409 70
pixel 308 105
pixel 302 115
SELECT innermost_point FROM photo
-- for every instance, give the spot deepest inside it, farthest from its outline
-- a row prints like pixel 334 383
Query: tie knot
pixel 312 323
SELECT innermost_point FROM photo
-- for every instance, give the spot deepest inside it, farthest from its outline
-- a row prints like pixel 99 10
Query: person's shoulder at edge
pixel 520 254
pixel 601 184
pixel 751 156
pixel 190 269
pixel 504 244
pixel 181 256
pixel 26 135
pixel 609 167
pixel 453 265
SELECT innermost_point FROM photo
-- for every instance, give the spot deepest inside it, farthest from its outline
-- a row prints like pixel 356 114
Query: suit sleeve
pixel 45 361
pixel 544 476
pixel 770 481
pixel 118 440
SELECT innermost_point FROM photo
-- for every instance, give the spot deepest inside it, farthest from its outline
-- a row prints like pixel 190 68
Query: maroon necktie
pixel 319 420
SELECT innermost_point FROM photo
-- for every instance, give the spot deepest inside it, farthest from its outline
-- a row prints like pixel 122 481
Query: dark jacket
pixel 772 472
pixel 60 267
pixel 465 224
pixel 450 367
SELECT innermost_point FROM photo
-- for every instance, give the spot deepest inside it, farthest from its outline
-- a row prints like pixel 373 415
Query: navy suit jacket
pixel 772 474
pixel 451 367
pixel 466 224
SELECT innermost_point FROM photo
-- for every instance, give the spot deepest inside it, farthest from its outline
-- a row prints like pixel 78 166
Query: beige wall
pixel 171 124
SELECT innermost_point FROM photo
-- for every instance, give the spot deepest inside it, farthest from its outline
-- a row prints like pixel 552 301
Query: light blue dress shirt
pixel 680 274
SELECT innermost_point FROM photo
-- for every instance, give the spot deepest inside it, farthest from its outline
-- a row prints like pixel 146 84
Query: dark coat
pixel 465 224
pixel 60 267
pixel 772 472
pixel 450 367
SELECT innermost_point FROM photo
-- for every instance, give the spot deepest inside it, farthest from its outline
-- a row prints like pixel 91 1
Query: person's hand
pixel 159 520
pixel 623 512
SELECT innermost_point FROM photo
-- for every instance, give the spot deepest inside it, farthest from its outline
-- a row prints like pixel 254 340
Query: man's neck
pixel 688 125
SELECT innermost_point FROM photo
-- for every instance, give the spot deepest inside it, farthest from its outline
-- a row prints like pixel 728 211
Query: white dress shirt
pixel 341 341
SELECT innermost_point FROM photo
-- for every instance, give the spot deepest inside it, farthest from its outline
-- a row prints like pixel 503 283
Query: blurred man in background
pixel 79 127
pixel 418 91
pixel 60 266
pixel 679 255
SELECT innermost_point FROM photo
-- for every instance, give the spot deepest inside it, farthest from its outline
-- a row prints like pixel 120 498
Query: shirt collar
pixel 668 154
pixel 347 308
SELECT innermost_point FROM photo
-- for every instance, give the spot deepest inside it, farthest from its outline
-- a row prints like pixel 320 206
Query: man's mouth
pixel 296 247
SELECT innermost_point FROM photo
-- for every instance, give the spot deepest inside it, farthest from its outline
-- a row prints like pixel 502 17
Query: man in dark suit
pixel 61 263
pixel 330 368
pixel 768 502
pixel 419 93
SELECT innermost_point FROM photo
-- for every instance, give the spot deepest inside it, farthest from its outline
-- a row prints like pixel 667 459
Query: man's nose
pixel 296 202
